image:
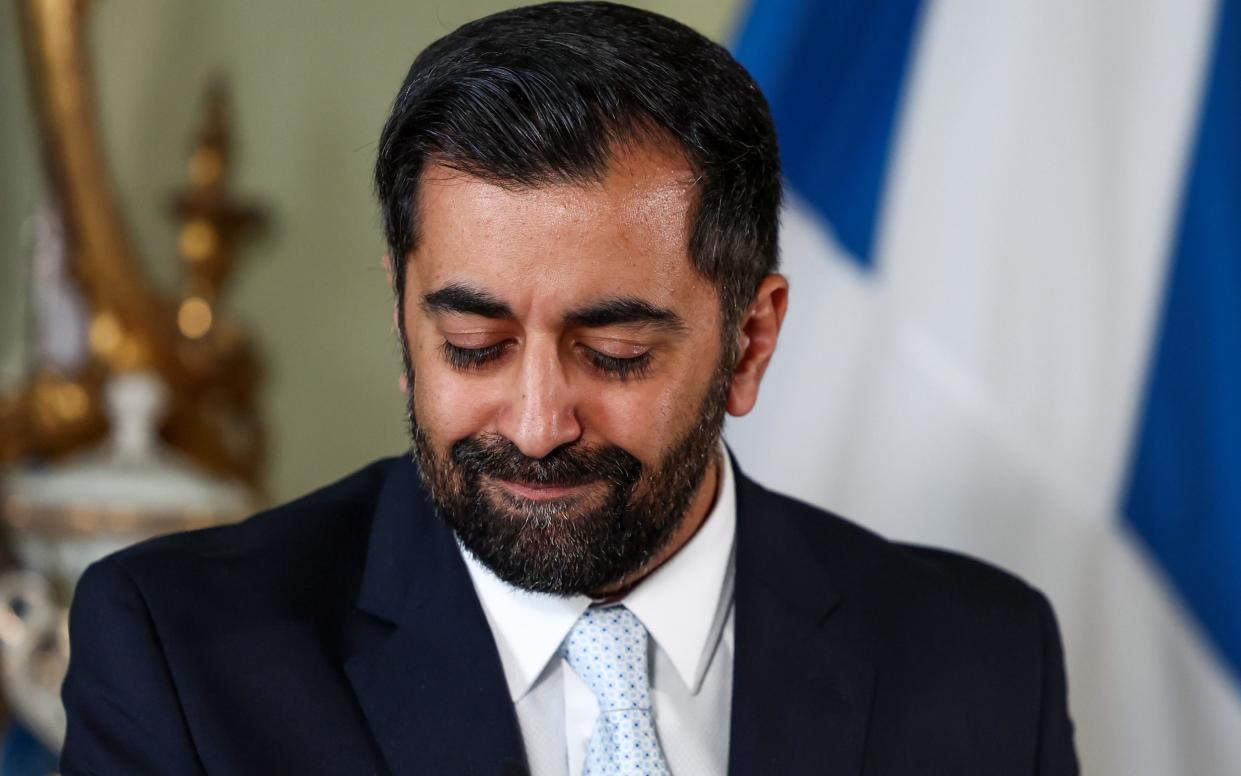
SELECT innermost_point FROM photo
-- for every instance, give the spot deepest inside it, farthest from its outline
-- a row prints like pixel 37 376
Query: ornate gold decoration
pixel 212 224
pixel 206 360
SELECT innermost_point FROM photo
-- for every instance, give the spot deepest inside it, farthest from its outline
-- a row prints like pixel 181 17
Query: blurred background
pixel 1013 237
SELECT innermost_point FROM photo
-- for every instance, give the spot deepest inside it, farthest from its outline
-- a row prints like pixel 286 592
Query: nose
pixel 542 412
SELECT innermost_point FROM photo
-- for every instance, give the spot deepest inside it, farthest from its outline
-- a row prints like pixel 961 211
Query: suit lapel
pixel 801 683
pixel 424 665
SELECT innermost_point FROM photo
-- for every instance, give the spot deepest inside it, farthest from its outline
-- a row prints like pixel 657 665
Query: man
pixel 568 575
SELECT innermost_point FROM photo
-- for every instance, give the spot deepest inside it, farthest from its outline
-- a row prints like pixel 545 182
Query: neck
pixel 695 516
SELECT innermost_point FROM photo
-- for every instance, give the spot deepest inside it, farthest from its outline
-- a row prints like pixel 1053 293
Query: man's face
pixel 566 380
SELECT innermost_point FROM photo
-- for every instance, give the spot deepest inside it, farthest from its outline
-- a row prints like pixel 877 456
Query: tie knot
pixel 607 648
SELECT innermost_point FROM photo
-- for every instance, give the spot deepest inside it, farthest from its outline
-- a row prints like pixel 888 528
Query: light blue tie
pixel 607 648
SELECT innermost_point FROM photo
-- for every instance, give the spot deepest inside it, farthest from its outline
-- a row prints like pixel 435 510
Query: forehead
pixel 627 233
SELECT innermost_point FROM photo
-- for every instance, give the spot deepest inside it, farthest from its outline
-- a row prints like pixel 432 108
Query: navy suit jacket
pixel 340 634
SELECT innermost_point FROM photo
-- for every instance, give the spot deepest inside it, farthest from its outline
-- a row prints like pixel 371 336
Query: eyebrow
pixel 463 299
pixel 624 311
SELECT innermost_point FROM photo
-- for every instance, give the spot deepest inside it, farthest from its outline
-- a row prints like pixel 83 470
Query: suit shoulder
pixel 302 561
pixel 341 507
pixel 908 577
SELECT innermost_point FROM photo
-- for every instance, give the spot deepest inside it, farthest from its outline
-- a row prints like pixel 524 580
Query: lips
pixel 541 492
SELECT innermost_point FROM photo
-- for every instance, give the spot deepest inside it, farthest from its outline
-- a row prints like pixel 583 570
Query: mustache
pixel 497 457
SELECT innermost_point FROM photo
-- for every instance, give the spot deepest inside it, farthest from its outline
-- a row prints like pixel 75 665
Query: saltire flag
pixel 1014 242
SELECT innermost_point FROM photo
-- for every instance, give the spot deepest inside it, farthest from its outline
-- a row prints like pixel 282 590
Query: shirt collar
pixel 679 603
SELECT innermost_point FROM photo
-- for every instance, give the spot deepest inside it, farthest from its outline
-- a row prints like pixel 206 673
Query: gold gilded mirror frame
pixel 208 362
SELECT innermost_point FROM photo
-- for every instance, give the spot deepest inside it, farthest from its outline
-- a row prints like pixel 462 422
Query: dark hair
pixel 545 94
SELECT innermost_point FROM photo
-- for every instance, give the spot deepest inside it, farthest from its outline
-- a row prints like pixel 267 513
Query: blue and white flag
pixel 1014 243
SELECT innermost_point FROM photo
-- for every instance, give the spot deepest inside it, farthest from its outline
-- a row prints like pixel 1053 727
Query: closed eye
pixel 472 358
pixel 622 368
pixel 614 366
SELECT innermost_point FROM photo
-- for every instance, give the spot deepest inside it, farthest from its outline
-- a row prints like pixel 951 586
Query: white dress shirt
pixel 686 606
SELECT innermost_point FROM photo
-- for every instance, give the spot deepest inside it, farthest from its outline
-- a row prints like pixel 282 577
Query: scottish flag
pixel 1014 243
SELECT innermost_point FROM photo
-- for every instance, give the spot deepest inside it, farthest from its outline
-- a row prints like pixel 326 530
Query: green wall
pixel 311 82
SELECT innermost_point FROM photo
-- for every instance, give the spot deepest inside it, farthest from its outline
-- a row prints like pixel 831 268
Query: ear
pixel 403 381
pixel 389 272
pixel 756 339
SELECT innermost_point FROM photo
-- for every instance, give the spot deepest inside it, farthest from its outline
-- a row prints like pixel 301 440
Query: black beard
pixel 577 545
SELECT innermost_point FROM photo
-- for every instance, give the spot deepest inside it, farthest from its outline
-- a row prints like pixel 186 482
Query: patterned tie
pixel 607 648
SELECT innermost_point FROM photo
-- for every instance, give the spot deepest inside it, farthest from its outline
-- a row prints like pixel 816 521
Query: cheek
pixel 448 407
pixel 445 413
pixel 647 417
